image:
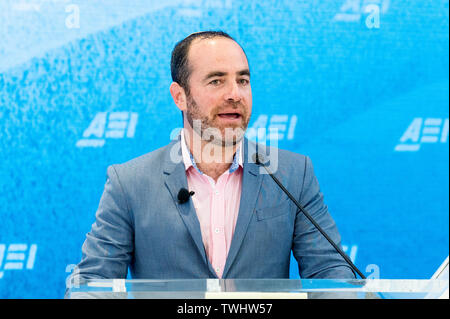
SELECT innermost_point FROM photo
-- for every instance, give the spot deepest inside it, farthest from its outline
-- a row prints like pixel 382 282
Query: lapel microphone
pixel 260 160
pixel 183 195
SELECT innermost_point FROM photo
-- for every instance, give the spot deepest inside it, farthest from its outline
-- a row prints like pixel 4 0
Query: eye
pixel 215 82
pixel 244 81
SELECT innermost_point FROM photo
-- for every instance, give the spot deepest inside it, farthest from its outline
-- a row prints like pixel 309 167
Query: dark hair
pixel 179 62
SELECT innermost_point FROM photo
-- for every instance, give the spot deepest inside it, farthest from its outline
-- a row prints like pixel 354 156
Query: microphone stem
pixel 339 250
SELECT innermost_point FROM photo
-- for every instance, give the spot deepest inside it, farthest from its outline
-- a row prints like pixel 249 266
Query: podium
pixel 433 288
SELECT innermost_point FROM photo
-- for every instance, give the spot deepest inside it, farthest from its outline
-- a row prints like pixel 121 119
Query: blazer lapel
pixel 251 185
pixel 175 179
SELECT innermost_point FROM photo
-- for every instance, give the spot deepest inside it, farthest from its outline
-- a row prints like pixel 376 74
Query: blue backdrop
pixel 359 86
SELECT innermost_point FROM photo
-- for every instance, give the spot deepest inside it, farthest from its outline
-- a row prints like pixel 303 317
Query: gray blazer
pixel 140 225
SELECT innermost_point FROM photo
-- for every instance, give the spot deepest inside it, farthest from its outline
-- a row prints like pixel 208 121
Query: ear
pixel 178 95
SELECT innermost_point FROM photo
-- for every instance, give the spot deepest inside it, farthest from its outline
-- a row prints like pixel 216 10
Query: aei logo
pixel 112 125
pixel 276 127
pixel 16 257
pixel 422 131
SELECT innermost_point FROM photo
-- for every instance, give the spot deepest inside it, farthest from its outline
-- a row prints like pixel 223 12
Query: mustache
pixel 238 106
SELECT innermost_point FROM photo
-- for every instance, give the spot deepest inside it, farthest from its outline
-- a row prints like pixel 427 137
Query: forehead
pixel 216 54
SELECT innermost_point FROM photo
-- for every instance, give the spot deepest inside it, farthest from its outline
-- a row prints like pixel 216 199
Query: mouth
pixel 229 116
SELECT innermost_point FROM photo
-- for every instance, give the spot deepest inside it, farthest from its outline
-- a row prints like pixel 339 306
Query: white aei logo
pixel 109 125
pixel 422 131
pixel 276 127
pixel 17 257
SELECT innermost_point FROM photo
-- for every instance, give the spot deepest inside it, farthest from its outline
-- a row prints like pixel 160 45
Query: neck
pixel 212 159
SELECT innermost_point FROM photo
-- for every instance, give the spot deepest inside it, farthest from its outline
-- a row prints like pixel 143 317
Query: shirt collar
pixel 189 160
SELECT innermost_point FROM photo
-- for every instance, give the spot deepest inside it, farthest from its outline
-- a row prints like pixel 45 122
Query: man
pixel 237 223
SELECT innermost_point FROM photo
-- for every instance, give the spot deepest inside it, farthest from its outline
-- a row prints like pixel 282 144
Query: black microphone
pixel 183 195
pixel 260 160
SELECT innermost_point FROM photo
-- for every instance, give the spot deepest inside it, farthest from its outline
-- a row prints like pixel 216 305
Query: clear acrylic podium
pixel 259 289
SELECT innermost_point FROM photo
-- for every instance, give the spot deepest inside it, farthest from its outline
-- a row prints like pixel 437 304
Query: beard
pixel 210 129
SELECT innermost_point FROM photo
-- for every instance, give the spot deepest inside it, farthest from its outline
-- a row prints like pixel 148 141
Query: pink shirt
pixel 216 204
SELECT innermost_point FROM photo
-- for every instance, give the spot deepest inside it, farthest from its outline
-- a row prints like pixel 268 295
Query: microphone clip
pixel 183 195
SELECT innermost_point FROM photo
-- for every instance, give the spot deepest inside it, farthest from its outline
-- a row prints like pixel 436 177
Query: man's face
pixel 220 95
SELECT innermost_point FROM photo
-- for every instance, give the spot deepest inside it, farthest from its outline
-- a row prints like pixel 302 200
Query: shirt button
pixel 217 269
pixel 217 192
pixel 217 230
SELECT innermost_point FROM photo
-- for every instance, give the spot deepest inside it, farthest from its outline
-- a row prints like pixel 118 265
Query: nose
pixel 233 93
